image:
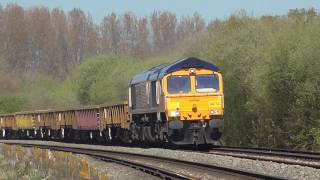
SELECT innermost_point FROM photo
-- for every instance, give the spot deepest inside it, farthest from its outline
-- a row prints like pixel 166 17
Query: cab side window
pixel 154 94
pixel 133 96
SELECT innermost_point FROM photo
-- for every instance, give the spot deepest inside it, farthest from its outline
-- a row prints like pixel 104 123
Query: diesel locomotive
pixel 181 103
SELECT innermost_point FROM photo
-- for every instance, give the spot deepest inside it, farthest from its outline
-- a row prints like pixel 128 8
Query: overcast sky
pixel 209 9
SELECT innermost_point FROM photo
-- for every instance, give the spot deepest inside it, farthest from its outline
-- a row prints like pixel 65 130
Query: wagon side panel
pixel 87 119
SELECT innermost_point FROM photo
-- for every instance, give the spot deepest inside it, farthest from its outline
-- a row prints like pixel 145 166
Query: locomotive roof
pixel 158 72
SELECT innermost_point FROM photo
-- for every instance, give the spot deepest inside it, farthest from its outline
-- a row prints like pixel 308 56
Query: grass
pixel 35 164
pixel 18 170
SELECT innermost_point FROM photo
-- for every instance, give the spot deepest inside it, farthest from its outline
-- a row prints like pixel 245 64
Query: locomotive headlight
pixel 214 112
pixel 192 71
pixel 174 113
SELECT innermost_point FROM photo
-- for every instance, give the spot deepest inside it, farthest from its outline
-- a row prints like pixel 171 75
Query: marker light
pixel 192 71
pixel 214 112
pixel 175 113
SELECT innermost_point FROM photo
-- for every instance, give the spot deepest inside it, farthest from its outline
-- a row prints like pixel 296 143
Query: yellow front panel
pixel 202 103
pixel 194 105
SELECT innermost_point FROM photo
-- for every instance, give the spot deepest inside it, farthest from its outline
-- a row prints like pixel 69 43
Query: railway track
pixel 302 158
pixel 162 167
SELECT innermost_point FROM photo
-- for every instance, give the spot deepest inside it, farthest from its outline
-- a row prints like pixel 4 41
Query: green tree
pixel 11 104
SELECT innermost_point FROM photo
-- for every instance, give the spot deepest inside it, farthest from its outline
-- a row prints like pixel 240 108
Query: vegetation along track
pixel 302 158
pixel 166 168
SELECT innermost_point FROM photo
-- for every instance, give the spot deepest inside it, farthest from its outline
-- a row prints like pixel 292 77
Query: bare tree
pixel 16 42
pixel 163 30
pixel 128 34
pixel 143 46
pixel 92 35
pixel 168 22
pixel 2 38
pixel 39 39
pixel 77 35
pixel 188 26
pixel 156 32
pixel 60 46
pixel 110 32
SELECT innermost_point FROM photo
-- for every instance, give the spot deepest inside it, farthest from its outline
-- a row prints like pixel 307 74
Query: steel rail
pixel 303 153
pixel 302 158
pixel 129 159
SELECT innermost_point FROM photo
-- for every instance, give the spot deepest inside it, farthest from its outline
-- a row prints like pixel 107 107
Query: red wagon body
pixel 87 119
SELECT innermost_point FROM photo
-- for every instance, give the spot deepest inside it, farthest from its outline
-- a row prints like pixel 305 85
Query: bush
pixel 46 93
pixel 271 73
pixel 105 78
pixel 11 104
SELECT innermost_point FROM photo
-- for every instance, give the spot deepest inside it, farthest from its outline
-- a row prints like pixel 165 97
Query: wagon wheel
pixel 101 138
pixel 3 131
pixel 75 136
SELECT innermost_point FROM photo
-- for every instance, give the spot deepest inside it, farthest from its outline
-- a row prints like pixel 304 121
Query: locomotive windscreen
pixel 179 84
pixel 207 83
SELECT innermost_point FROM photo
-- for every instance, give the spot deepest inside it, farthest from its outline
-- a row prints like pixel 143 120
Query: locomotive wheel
pixel 176 135
pixel 215 134
pixel 125 136
pixel 149 134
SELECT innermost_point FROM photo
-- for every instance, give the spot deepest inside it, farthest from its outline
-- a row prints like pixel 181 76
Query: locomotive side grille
pixel 141 96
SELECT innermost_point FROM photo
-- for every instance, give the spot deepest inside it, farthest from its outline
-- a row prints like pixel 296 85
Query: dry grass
pixel 26 163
